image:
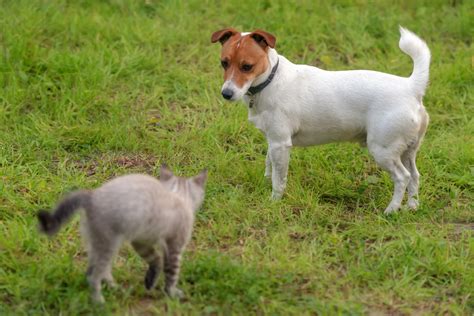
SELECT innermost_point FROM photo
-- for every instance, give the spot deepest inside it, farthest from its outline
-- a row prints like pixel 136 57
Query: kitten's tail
pixel 50 223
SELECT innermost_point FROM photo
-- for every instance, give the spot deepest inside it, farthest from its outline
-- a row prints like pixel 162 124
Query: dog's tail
pixel 417 49
pixel 50 223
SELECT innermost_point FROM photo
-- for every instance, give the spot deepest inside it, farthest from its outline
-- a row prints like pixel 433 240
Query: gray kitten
pixel 136 208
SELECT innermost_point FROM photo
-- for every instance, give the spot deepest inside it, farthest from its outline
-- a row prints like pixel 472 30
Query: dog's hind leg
pixel 388 158
pixel 409 161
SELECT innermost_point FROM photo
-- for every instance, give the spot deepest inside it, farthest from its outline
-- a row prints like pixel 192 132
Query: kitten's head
pixel 192 189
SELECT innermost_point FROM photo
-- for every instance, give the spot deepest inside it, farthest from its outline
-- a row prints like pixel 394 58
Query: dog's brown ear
pixel 263 38
pixel 223 35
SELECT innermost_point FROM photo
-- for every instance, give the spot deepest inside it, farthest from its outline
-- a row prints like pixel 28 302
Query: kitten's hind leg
pixel 101 253
pixel 151 256
pixel 172 265
pixel 94 277
pixel 107 275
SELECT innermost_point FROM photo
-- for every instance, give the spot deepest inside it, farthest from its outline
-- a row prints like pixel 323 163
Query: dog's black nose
pixel 227 94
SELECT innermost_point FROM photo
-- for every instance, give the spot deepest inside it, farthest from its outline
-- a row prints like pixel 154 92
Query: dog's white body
pixel 305 105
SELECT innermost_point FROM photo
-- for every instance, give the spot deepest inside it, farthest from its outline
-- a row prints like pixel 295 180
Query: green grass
pixel 95 89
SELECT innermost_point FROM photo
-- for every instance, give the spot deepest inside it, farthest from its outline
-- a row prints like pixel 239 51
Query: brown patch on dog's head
pixel 244 57
pixel 223 35
pixel 264 39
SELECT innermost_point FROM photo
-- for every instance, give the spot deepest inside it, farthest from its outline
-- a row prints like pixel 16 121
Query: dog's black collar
pixel 254 90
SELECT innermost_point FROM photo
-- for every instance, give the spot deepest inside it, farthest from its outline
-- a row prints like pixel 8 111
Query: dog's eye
pixel 246 67
pixel 224 64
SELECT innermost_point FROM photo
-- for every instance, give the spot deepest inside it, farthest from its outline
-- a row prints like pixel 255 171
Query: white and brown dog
pixel 301 105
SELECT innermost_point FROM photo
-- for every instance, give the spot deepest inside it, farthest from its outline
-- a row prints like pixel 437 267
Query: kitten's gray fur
pixel 136 208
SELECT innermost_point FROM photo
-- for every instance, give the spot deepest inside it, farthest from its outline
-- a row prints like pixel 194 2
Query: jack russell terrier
pixel 301 105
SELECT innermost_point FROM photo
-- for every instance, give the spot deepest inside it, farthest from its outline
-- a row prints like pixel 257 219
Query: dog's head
pixel 244 58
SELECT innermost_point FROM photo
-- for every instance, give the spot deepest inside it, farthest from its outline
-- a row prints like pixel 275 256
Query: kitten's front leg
pixel 172 265
pixel 151 256
pixel 109 279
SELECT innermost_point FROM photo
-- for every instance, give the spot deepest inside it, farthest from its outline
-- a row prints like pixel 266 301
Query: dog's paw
pixel 276 196
pixel 391 210
pixel 413 203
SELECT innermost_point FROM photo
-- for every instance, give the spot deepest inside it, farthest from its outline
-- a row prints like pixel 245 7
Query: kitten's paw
pixel 111 283
pixel 174 292
pixel 151 277
pixel 98 298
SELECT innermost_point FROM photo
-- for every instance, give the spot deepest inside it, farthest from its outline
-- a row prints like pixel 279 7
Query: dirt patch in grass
pixel 299 236
pixel 145 306
pixel 137 162
pixel 457 230
pixel 462 227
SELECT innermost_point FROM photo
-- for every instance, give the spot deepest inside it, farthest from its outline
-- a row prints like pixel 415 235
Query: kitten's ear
pixel 201 178
pixel 165 173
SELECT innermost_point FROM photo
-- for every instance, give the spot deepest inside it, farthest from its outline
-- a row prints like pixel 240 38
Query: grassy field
pixel 95 89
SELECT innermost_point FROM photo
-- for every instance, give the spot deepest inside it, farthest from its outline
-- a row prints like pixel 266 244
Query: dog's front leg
pixel 268 165
pixel 279 156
